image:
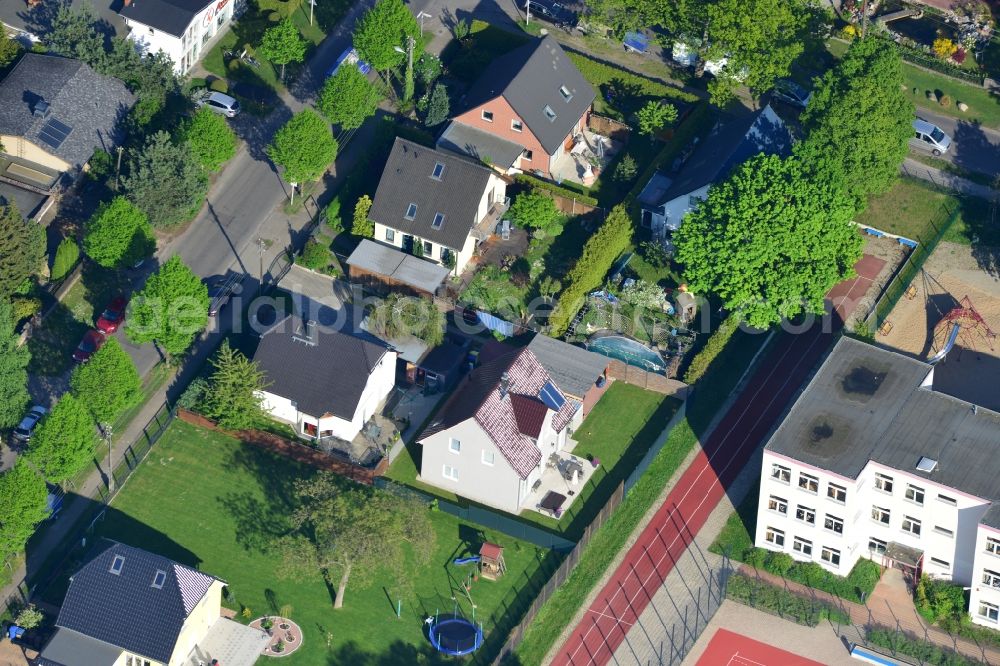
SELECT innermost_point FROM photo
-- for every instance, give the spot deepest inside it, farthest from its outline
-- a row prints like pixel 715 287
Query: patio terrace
pixel 577 164
pixel 564 475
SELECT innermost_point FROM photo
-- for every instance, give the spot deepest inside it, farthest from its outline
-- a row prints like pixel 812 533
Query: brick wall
pixel 503 114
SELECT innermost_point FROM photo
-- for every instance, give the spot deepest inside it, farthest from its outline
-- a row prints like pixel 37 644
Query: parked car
pixel 113 316
pixel 553 12
pixel 928 136
pixel 351 57
pixel 26 427
pixel 792 93
pixel 92 341
pixel 219 292
pixel 220 103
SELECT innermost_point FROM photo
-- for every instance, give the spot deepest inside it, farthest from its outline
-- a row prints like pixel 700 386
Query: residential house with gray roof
pixel 493 436
pixel 872 462
pixel 54 113
pixel 436 204
pixel 525 111
pixel 130 607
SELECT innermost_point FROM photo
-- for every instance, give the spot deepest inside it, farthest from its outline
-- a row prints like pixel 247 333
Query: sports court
pixel 728 648
pixel 845 296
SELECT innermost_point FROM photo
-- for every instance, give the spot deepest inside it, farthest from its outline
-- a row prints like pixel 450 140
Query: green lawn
pixel 209 501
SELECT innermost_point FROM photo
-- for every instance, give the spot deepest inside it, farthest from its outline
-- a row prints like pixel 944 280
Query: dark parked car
pixel 113 316
pixel 220 290
pixel 553 12
pixel 92 341
pixel 792 93
pixel 26 427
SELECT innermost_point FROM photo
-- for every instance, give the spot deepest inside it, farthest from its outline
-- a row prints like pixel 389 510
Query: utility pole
pixel 422 15
pixel 312 3
pixel 108 431
pixel 408 83
pixel 118 168
pixel 527 13
pixel 260 253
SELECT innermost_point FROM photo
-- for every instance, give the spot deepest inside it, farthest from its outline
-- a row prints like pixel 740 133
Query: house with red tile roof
pixel 491 439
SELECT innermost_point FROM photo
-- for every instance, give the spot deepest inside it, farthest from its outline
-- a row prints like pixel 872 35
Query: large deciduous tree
pixel 233 397
pixel 858 123
pixel 384 28
pixel 108 383
pixel 304 146
pixel 171 309
pixel 283 44
pixel 22 249
pixel 64 441
pixel 13 370
pixel 348 98
pixel 537 211
pixel 23 504
pixel 118 234
pixel 675 17
pixel 770 241
pixel 211 139
pixel 351 532
pixel 166 182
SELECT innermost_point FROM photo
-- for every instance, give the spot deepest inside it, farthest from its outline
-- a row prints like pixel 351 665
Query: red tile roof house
pixel 523 113
pixel 493 436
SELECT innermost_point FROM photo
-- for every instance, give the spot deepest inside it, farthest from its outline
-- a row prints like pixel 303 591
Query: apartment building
pixel 872 462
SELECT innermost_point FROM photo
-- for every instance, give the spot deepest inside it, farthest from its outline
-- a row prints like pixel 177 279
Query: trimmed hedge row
pixel 599 73
pixel 565 191
pixel 925 651
pixel 599 253
pixel 788 605
pixel 716 343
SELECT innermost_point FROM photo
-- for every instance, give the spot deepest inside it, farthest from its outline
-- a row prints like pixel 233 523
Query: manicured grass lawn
pixel 209 501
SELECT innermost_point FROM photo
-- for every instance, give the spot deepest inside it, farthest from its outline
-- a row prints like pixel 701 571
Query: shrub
pixel 568 190
pixel 925 651
pixel 760 594
pixel 945 101
pixel 362 225
pixel 959 56
pixel 626 169
pixel 716 343
pixel 756 557
pixel 100 166
pixel 332 216
pixel 779 563
pixel 939 600
pixel 219 85
pixel 944 48
pixel 29 617
pixel 66 257
pixel 24 307
pixel 192 396
pixel 315 256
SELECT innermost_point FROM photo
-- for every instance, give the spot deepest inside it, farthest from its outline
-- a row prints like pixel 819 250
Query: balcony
pixel 488 225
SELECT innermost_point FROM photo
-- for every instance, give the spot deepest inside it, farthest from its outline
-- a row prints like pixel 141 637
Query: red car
pixel 113 316
pixel 92 341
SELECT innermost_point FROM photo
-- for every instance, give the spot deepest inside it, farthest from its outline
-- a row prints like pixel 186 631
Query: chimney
pixel 127 2
pixel 306 333
pixel 504 383
pixel 40 109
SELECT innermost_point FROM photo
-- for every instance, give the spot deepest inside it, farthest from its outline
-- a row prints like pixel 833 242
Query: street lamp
pixel 108 431
pixel 312 3
pixel 408 84
pixel 422 15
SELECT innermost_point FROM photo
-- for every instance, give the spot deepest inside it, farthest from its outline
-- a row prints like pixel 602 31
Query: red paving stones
pixel 845 295
pixel 731 649
pixel 650 560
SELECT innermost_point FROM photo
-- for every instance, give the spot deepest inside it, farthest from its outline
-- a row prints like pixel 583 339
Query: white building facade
pixel 184 31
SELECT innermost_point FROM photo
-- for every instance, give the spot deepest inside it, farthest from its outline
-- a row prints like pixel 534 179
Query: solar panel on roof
pixel 54 133
pixel 551 396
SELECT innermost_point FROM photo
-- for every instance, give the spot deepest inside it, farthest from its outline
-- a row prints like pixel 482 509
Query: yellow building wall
pixel 198 623
pixel 18 146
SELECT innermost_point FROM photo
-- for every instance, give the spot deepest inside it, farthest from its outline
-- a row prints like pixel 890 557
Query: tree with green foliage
pixel 211 139
pixel 29 617
pixel 304 147
pixel 118 234
pixel 438 106
pixel 166 182
pixel 537 211
pixel 24 499
pixel 351 532
pixel 760 40
pixel 67 254
pixel 399 316
pixel 348 98
pixel 770 240
pixel 655 116
pixel 75 33
pixel 362 225
pixel 10 49
pixel 674 17
pixel 22 249
pixel 384 28
pixel 171 309
pixel 14 360
pixel 282 44
pixel 644 294
pixel 151 76
pixel 64 441
pixel 858 123
pixel 234 396
pixel 107 384
pixel 549 287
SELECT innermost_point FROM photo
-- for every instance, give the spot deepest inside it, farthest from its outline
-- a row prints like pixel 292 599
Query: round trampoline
pixel 454 635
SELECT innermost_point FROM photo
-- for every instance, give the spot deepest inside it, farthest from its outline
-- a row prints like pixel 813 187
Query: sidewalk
pixel 915 169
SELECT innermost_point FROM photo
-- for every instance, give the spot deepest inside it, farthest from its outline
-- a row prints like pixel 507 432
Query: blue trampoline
pixel 454 635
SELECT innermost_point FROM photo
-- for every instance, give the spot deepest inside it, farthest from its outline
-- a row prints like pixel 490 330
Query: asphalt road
pixel 974 147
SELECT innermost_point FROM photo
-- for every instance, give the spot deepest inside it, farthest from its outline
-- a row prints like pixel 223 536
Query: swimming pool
pixel 630 351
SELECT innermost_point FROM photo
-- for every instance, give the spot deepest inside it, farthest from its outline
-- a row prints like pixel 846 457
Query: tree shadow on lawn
pixel 397 653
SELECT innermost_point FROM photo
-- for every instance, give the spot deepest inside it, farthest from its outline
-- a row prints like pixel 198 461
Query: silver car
pixel 220 103
pixel 22 433
pixel 928 136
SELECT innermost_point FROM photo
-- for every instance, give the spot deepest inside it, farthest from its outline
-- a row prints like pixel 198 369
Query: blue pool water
pixel 630 351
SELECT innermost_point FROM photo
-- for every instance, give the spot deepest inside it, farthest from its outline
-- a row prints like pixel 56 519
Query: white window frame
pixel 527 155
pixel 830 522
pixel 566 93
pixel 438 172
pixel 911 525
pixel 881 515
pixel 829 555
pixel 915 494
pixel 117 564
pixel 883 483
pixel 454 446
pixel 774 536
pixel 944 531
pixel 880 546
pixel 777 505
pixel 516 125
pixel 487 115
pixel 781 473
pixel 950 501
pixel 989 612
pixel 809 483
pixel 390 235
pixel 451 477
pixel 492 457
pixel 991 578
pixel 941 563
pixel 160 576
pixel 550 113
pixel 806 515
pixel 438 221
pixel 833 492
pixel 408 215
pixel 992 545
pixel 803 546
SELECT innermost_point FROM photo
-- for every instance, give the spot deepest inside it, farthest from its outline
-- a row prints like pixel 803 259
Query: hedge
pixel 564 191
pixel 600 73
pixel 600 251
pixel 925 651
pixel 716 343
pixel 788 605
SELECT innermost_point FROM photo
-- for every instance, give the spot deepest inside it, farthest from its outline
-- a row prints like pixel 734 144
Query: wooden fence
pixel 609 127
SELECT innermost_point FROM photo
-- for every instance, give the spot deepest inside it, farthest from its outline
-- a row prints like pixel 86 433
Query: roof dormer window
pixel 549 113
pixel 159 579
pixel 566 94
pixel 438 220
pixel 438 171
pixel 411 212
pixel 117 564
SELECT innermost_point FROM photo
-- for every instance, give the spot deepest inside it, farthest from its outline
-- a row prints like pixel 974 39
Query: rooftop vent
pixel 40 108
pixel 117 564
pixel 926 464
pixel 306 333
pixel 159 579
pixel 504 384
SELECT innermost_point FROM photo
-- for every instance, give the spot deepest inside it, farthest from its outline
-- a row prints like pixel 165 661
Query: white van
pixel 928 136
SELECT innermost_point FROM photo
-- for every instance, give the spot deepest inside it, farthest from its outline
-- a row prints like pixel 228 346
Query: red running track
pixel 728 449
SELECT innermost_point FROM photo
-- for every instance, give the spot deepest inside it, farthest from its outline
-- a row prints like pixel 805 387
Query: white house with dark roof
pixel 323 382
pixel 182 29
pixel 436 204
pixel 130 607
pixel 872 462
pixel 493 435
pixel 54 113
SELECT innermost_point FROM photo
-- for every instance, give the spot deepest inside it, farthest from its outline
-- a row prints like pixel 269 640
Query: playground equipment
pixel 491 564
pixel 465 560
pixel 962 325
pixel 454 635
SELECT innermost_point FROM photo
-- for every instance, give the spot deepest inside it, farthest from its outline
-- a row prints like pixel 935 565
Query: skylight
pixel 159 579
pixel 411 212
pixel 549 113
pixel 117 564
pixel 438 220
pixel 564 91
pixel 438 171
pixel 926 464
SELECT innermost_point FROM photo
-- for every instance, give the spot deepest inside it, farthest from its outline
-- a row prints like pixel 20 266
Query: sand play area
pixel 971 370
